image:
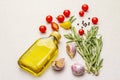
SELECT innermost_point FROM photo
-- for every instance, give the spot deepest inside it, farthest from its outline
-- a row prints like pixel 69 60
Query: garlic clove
pixel 77 69
pixel 58 64
pixel 54 66
pixel 71 50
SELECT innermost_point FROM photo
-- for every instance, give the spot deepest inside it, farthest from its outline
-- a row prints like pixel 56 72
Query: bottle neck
pixel 54 38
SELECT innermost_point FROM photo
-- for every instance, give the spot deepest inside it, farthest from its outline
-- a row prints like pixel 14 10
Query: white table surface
pixel 19 23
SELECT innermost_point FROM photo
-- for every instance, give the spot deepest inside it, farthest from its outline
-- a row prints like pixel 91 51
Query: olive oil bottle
pixel 40 55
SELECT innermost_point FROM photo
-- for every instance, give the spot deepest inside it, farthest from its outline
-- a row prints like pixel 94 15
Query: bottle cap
pixel 56 35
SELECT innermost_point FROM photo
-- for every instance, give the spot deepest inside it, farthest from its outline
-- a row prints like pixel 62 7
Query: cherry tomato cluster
pixel 85 8
pixel 94 20
pixel 60 18
pixel 54 25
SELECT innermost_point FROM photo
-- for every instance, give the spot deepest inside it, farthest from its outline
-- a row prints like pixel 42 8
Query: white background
pixel 19 23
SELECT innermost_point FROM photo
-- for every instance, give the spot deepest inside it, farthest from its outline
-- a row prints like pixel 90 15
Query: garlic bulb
pixel 77 69
pixel 71 49
pixel 58 64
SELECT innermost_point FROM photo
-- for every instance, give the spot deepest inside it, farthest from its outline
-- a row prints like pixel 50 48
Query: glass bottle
pixel 40 55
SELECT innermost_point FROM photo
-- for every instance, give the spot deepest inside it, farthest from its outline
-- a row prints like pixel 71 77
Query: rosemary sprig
pixel 72 19
pixel 89 47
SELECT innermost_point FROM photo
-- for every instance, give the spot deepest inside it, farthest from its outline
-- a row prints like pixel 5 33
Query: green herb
pixel 89 47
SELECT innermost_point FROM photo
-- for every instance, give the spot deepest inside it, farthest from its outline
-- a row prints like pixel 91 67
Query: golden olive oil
pixel 40 55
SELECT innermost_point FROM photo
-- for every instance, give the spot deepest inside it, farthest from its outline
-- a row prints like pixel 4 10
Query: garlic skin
pixel 77 69
pixel 71 50
pixel 58 64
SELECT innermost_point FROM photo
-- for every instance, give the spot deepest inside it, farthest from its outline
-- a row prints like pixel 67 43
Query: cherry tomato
pixel 66 13
pixel 85 7
pixel 49 18
pixel 42 28
pixel 81 31
pixel 60 18
pixel 81 13
pixel 54 26
pixel 94 20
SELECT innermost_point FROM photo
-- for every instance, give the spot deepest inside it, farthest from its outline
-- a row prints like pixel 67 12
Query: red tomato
pixel 54 26
pixel 49 18
pixel 81 31
pixel 81 13
pixel 85 7
pixel 94 20
pixel 66 13
pixel 42 28
pixel 60 18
